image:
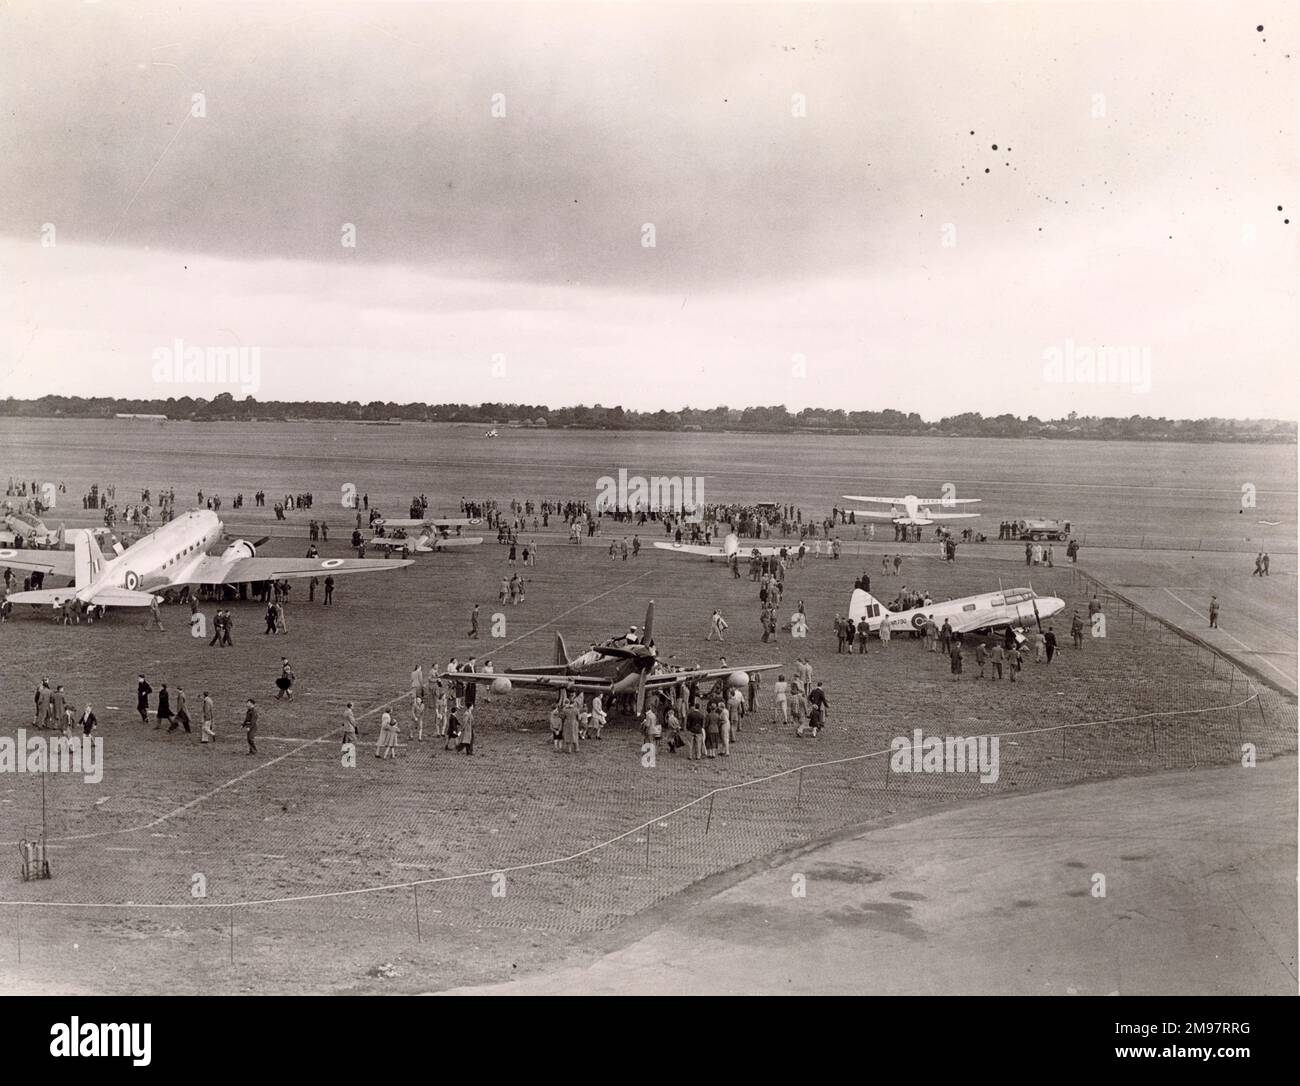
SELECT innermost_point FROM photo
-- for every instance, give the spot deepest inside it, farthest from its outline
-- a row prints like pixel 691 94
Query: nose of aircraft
pixel 1051 606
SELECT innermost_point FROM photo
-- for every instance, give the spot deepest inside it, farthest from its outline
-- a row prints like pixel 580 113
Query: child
pixel 557 729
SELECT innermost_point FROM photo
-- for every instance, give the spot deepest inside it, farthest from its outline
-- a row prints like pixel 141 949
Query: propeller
pixel 640 692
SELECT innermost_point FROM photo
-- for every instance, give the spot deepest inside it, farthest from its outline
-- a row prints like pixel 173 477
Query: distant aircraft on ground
pixel 730 545
pixel 422 536
pixel 910 509
pixel 1016 607
pixel 172 556
pixel 31 528
pixel 425 542
pixel 622 665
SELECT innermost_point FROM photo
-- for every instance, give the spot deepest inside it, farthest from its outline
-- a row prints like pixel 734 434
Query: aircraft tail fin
pixel 561 652
pixel 730 545
pixel 863 604
pixel 88 560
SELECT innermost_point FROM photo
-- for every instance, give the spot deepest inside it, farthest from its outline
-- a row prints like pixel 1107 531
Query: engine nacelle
pixel 501 685
pixel 240 548
pixel 738 680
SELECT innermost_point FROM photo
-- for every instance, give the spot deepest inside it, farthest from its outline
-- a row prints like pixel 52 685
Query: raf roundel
pixel 132 580
pixel 918 621
pixel 8 554
pixel 331 563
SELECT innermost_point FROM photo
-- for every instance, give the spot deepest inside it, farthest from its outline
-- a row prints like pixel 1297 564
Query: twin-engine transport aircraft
pixel 912 510
pixel 1016 607
pixel 622 665
pixel 730 545
pixel 174 555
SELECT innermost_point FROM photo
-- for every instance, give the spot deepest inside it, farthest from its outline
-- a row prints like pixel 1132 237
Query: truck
pixel 1037 528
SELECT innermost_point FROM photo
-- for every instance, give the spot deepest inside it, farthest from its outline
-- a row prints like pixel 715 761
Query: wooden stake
pixel 418 937
pixel 232 935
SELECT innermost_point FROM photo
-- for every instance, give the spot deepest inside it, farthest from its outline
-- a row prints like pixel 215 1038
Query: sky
pixel 657 205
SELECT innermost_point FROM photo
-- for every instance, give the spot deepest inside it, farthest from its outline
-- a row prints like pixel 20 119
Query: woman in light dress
pixel 781 693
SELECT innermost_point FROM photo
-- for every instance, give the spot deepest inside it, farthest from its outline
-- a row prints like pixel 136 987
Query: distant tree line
pixel 777 419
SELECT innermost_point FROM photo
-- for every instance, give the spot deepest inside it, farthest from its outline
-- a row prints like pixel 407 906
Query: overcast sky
pixel 805 168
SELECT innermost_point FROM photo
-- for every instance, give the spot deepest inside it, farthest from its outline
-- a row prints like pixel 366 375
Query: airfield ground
pixel 294 849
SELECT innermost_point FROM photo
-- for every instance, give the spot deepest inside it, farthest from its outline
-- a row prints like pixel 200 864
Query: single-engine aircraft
pixel 30 528
pixel 910 509
pixel 622 665
pixel 172 556
pixel 730 545
pixel 1015 607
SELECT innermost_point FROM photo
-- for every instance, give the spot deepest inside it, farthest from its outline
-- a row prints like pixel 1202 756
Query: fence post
pixel 798 796
pixel 708 821
pixel 418 937
pixel 19 911
pixel 232 935
pixel 647 845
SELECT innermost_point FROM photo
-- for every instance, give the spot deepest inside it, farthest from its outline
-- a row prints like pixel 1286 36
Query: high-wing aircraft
pixel 910 509
pixel 30 527
pixel 622 665
pixel 174 555
pixel 1015 607
pixel 730 545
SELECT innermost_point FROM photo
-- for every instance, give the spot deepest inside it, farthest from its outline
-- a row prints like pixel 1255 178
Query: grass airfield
pixel 298 844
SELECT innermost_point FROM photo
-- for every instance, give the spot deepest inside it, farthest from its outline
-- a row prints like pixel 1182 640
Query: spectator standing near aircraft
pixel 1214 612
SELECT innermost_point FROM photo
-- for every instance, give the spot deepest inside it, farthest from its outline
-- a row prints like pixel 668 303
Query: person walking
pixel 716 625
pixel 142 692
pixel 329 591
pixel 1214 612
pixel 473 623
pixel 1050 639
pixel 182 719
pixel 250 726
pixel 155 620
pixel 209 728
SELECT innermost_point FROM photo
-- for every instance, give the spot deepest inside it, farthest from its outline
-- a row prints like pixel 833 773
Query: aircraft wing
pixel 57 563
pixel 948 516
pixel 586 684
pixel 673 678
pixel 697 550
pixel 947 501
pixel 861 498
pixel 430 522
pixel 874 513
pixel 212 570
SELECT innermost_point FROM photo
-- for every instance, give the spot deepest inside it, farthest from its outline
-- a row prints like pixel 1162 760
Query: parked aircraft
pixel 172 556
pixel 910 509
pixel 730 545
pixel 1015 607
pixel 622 665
